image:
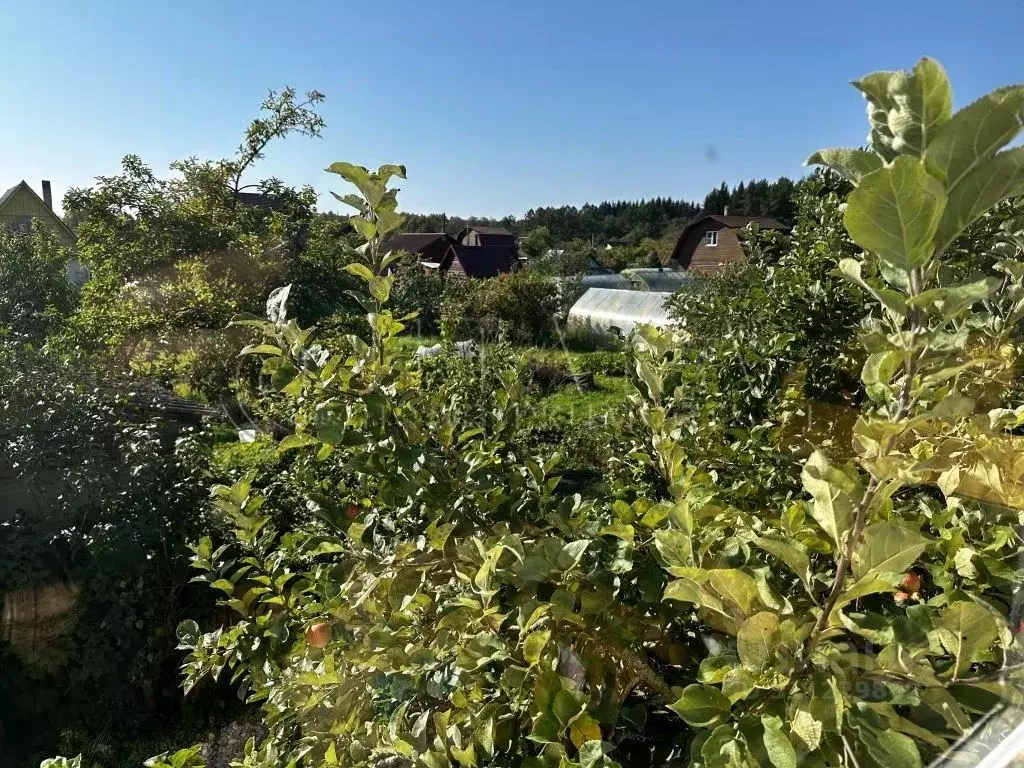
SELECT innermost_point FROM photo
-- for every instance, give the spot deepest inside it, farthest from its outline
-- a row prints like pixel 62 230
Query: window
pixel 711 237
pixel 23 224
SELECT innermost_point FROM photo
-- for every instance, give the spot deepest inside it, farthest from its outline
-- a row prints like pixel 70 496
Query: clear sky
pixel 495 106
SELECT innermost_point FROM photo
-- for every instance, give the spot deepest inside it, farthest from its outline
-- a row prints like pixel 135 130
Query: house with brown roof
pixel 479 261
pixel 430 247
pixel 711 242
pixel 494 236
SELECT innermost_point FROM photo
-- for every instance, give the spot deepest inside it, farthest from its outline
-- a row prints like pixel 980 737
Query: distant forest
pixel 632 221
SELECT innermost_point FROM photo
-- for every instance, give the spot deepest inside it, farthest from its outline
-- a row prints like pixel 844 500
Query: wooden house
pixel 711 242
pixel 20 206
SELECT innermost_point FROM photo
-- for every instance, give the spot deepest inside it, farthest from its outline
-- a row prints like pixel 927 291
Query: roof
pixel 260 200
pixel 481 260
pixel 654 279
pixel 10 193
pixel 738 222
pixel 414 242
pixel 488 230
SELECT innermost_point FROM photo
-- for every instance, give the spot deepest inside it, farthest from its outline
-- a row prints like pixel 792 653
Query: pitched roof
pixel 480 260
pixel 488 230
pixel 260 200
pixel 738 222
pixel 414 242
pixel 10 193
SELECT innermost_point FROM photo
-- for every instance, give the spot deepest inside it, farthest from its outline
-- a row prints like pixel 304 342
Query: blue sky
pixel 495 106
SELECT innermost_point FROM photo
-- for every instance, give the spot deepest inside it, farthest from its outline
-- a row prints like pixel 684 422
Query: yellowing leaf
pixel 832 489
pixel 735 587
pixel 583 730
pixel 807 728
pixel 534 644
pixel 965 629
pixel 887 547
pixel 758 639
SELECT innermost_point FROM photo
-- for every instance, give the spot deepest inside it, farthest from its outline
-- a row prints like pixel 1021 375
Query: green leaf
pixel 893 301
pixel 868 585
pixel 359 270
pixel 851 164
pixel 923 103
pixel 887 547
pixel 995 180
pixel 879 368
pixel 833 490
pixel 297 440
pixel 353 200
pixel 894 749
pixel 895 212
pixel 380 288
pixel 965 629
pixel 367 229
pixel 791 552
pixel 675 547
pixel 735 587
pixel 974 134
pixel 738 683
pixel 758 639
pixel 619 531
pixel 387 222
pixel 713 669
pixel 572 553
pixel 952 299
pixel 261 349
pixel 701 705
pixel 568 706
pixel 777 744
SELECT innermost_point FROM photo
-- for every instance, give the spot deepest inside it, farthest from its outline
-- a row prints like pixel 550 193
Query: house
pixel 20 204
pixel 711 242
pixel 496 236
pixel 260 200
pixel 478 261
pixel 429 247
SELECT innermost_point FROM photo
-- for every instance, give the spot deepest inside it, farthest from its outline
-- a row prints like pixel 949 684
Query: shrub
pixel 453 608
pixel 35 296
pixel 518 307
pixel 96 523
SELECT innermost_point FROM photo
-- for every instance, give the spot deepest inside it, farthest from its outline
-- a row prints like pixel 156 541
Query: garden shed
pixel 600 310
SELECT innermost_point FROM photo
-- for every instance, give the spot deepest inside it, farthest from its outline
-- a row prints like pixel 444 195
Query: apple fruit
pixel 352 511
pixel 911 582
pixel 901 597
pixel 318 634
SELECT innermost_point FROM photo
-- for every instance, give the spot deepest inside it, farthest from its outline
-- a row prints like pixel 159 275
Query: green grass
pixel 579 406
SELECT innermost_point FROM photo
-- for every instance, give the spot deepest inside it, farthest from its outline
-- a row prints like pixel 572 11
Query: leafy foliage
pixel 35 295
pixel 186 252
pixel 521 307
pixel 743 590
pixel 101 507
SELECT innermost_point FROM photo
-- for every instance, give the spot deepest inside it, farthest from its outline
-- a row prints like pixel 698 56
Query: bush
pixel 518 307
pixel 35 296
pixel 729 605
pixel 97 523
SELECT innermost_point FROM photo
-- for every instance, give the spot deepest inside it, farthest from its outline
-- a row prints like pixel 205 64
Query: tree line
pixel 629 220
